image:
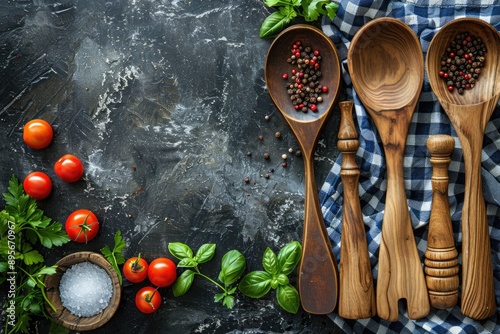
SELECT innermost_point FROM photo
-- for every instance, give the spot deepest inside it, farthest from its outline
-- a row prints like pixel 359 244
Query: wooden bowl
pixel 63 316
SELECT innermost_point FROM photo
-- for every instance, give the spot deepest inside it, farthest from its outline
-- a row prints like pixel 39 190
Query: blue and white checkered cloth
pixel 425 18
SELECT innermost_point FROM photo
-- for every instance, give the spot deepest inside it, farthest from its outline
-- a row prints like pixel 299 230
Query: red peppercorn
pixel 296 107
pixel 441 73
pixel 283 165
pixel 300 86
pixel 285 76
pixel 312 62
pixel 324 89
pixel 466 56
pixel 316 52
pixel 316 66
pixel 297 80
pixel 298 43
pixel 446 75
pixel 297 54
pixel 450 88
pixel 294 72
pixel 314 107
pixel 301 74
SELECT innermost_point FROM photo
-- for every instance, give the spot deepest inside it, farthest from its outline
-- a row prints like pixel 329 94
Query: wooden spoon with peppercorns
pixel 469 113
pixel 318 272
pixel 386 65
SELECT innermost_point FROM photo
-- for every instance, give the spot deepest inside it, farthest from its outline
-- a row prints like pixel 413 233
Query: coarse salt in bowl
pixel 85 291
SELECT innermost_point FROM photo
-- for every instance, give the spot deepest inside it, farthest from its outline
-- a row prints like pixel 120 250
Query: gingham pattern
pixel 425 18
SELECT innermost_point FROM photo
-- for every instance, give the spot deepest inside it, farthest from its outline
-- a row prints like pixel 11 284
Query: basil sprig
pixel 232 267
pixel 257 284
pixel 288 10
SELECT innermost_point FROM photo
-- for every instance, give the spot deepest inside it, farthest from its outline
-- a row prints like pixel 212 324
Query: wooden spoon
pixel 469 114
pixel 318 272
pixel 387 70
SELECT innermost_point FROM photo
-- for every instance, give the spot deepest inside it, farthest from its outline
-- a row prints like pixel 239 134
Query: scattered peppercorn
pixel 247 180
pixel 266 175
pixel 462 62
pixel 283 165
pixel 283 156
pixel 267 117
pixel 249 154
pixel 304 87
pixel 290 150
pixel 261 137
pixel 277 134
pixel 298 153
pixel 267 156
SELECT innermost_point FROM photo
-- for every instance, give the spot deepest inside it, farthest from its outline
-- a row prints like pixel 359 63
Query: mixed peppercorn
pixel 462 62
pixel 303 84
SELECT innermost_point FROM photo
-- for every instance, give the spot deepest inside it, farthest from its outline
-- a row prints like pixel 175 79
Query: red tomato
pixel 38 134
pixel 82 225
pixel 148 299
pixel 38 185
pixel 135 269
pixel 69 168
pixel 162 272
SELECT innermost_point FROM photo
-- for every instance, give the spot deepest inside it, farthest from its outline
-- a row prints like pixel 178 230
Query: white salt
pixel 85 289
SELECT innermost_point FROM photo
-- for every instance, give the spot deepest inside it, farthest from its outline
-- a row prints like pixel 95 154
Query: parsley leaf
pixel 115 256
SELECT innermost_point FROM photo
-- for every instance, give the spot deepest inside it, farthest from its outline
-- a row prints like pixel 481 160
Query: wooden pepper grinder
pixel 441 256
pixel 356 291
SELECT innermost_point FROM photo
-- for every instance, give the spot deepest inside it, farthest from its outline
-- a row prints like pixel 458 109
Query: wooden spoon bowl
pixel 469 114
pixel 387 70
pixel 318 272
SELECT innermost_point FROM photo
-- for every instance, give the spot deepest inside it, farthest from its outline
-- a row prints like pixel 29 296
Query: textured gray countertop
pixel 161 100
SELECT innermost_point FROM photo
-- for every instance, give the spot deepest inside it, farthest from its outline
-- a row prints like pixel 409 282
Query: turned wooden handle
pixel 441 256
pixel 356 291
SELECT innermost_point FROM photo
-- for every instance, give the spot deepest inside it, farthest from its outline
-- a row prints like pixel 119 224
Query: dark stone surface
pixel 161 100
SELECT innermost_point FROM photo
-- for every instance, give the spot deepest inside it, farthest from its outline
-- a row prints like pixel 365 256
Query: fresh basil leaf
pixel 205 253
pixel 288 298
pixel 289 11
pixel 270 261
pixel 3 267
pixel 273 25
pixel 218 296
pixel 255 284
pixel 288 257
pixel 183 283
pixel 180 250
pixel 228 301
pixel 283 279
pixel 273 3
pixel 187 263
pixel 232 267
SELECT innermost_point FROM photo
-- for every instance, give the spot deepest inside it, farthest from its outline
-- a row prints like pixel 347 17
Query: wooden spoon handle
pixel 356 291
pixel 441 256
pixel 478 290
pixel 400 273
pixel 318 272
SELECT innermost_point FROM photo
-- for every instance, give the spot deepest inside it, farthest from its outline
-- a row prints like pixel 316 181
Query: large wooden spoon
pixel 387 70
pixel 469 114
pixel 318 272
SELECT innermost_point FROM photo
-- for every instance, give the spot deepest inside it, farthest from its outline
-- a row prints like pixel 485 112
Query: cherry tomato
pixel 135 269
pixel 162 272
pixel 82 225
pixel 69 168
pixel 37 185
pixel 148 299
pixel 38 134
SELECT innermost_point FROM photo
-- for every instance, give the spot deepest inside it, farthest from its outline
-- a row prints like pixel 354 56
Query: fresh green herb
pixel 288 10
pixel 257 284
pixel 24 229
pixel 115 257
pixel 232 267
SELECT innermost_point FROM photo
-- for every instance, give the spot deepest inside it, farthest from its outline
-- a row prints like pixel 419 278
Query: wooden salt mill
pixel 356 292
pixel 441 256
